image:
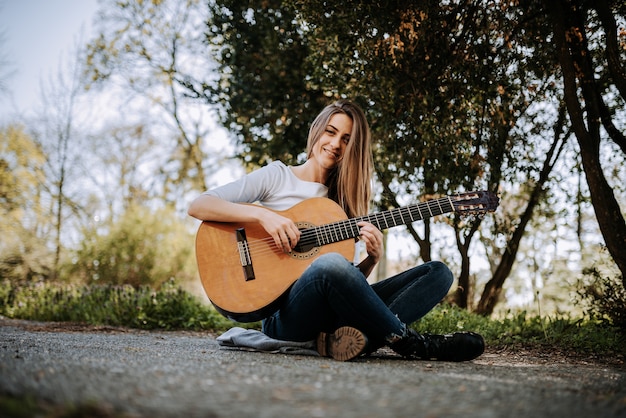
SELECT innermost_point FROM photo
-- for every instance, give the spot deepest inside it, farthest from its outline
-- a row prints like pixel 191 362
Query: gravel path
pixel 167 374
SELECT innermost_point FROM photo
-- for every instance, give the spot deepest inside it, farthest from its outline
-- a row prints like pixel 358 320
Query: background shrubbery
pixel 603 297
pixel 119 305
pixel 142 247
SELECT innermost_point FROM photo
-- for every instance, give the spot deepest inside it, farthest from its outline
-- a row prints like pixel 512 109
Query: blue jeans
pixel 333 292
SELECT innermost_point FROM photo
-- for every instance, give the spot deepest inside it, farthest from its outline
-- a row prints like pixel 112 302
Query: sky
pixel 38 37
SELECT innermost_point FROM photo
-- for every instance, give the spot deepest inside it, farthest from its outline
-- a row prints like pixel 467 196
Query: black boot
pixel 459 346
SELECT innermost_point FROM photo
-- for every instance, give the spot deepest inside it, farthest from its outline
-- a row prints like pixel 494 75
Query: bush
pixel 603 297
pixel 519 329
pixel 143 247
pixel 168 308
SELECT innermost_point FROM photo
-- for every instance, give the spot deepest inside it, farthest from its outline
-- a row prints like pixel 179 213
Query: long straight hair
pixel 350 183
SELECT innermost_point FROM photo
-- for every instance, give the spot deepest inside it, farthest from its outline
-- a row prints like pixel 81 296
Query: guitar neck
pixel 349 229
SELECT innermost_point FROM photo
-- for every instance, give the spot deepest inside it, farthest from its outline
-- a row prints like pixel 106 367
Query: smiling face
pixel 329 149
pixel 339 156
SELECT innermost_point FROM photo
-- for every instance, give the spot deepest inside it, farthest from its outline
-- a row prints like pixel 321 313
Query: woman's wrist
pixel 367 265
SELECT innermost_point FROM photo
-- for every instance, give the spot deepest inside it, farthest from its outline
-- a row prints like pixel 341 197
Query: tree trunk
pixel 493 288
pixel 577 68
pixel 463 292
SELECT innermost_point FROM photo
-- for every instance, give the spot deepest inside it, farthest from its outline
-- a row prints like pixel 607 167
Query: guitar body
pixel 225 282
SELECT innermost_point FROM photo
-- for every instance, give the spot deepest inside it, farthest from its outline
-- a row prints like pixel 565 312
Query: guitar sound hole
pixel 304 248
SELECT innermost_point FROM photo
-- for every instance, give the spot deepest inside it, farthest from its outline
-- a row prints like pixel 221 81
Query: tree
pixel 266 93
pixel 435 80
pixel 154 50
pixel 124 160
pixel 585 88
pixel 23 252
pixel 491 293
pixel 58 134
pixel 5 68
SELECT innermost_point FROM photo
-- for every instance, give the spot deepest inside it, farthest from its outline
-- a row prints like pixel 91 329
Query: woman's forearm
pixel 211 208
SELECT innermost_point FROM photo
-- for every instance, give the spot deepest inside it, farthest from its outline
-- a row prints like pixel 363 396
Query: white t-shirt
pixel 274 186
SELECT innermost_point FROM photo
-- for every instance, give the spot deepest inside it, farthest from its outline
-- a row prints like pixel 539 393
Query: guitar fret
pixel 329 230
pixel 326 235
pixel 341 229
pixel 355 228
pixel 336 231
pixel 406 215
pixel 318 238
pixel 408 212
pixel 401 217
pixel 392 216
pixel 398 219
pixel 345 229
pixel 376 221
pixel 320 230
pixel 419 208
pixel 450 203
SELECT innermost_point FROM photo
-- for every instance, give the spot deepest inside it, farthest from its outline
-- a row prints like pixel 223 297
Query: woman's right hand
pixel 210 208
pixel 283 230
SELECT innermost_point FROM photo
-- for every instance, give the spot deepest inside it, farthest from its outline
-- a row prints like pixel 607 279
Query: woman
pixel 332 301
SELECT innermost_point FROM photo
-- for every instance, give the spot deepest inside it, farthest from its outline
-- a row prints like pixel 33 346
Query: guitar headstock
pixel 475 203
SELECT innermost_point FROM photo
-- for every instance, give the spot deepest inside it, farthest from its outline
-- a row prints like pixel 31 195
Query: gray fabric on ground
pixel 254 340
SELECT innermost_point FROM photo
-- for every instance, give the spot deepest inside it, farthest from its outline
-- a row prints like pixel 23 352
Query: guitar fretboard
pixel 347 229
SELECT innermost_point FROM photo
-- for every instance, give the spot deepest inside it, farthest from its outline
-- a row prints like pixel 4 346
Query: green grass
pixel 172 308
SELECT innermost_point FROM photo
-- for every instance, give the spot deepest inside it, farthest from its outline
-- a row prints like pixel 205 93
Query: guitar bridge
pixel 244 254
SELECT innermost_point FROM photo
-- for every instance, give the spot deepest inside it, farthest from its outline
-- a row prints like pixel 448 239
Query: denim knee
pixel 336 266
pixel 331 261
pixel 442 272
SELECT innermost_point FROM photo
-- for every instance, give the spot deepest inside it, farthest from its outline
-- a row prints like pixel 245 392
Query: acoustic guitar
pixel 244 273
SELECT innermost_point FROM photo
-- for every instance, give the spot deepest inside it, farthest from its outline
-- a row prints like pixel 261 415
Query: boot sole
pixel 344 344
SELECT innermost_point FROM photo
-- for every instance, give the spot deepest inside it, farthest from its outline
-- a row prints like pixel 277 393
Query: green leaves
pixel 267 96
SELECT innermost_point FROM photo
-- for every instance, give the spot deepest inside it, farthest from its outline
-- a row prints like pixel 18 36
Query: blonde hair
pixel 349 184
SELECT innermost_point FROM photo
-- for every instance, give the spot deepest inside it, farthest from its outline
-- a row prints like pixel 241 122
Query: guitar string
pixel 335 232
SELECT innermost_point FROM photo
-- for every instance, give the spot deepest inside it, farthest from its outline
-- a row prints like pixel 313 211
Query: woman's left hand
pixel 373 239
